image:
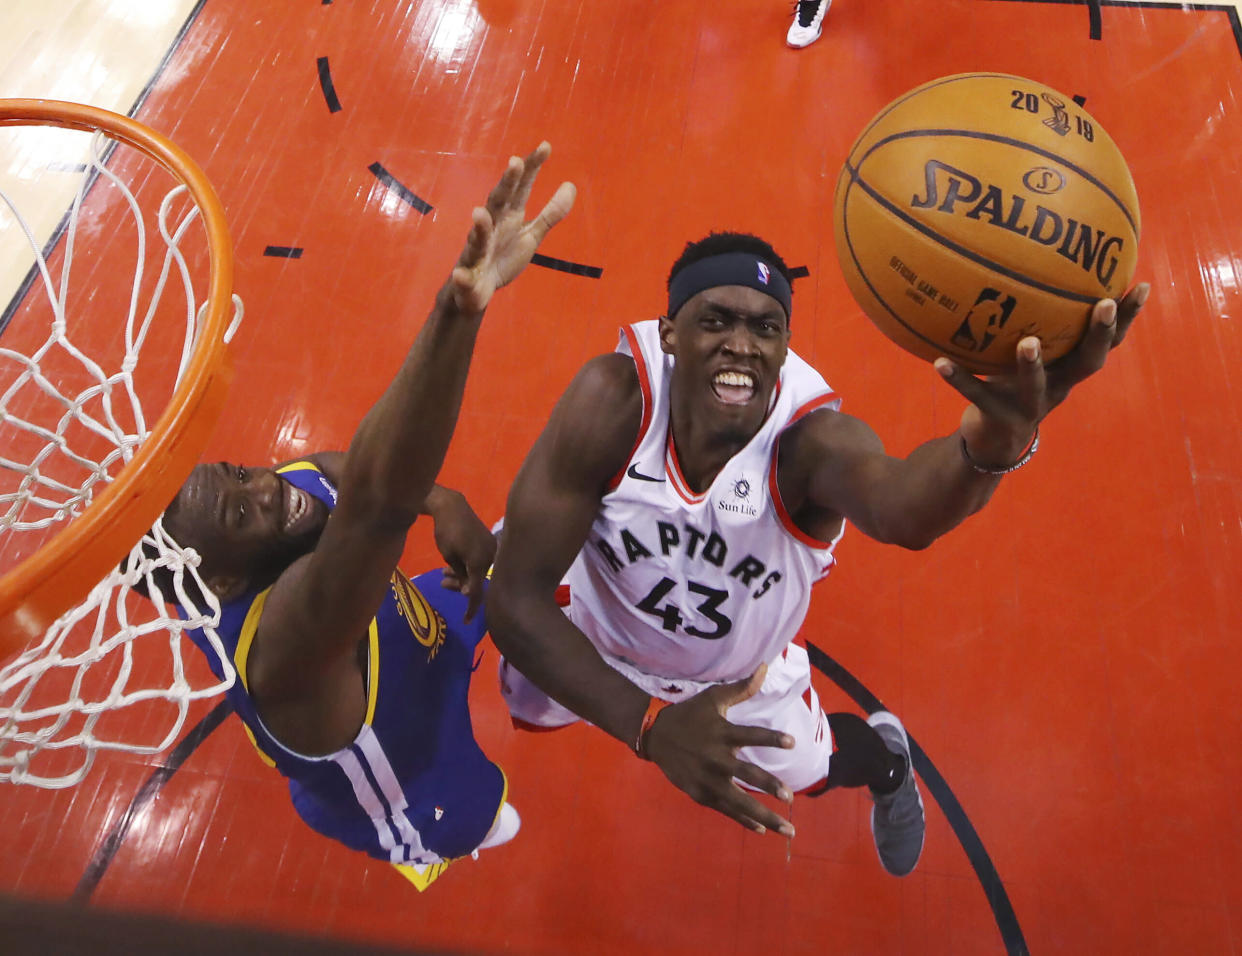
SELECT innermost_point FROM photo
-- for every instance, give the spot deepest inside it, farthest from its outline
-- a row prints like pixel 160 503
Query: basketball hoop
pixel 83 477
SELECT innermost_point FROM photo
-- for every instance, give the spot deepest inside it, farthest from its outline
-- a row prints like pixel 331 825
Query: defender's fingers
pixel 474 592
pixel 557 208
pixel 502 193
pixel 473 586
pixel 477 240
pixel 531 166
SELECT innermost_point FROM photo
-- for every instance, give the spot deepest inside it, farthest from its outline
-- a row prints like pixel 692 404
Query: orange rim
pixel 61 573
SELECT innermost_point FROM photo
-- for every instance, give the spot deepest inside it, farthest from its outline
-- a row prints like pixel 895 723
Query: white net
pixel 90 352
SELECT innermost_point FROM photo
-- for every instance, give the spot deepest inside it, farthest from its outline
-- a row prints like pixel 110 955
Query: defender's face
pixel 729 344
pixel 247 523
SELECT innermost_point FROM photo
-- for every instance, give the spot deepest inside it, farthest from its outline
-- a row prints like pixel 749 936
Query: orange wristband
pixel 654 706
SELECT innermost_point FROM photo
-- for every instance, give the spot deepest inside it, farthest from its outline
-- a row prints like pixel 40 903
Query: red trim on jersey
pixel 813 404
pixel 644 384
pixel 774 491
pixel 519 724
pixel 673 468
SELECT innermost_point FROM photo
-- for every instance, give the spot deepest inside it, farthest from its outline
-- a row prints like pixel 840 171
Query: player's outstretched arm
pixel 547 520
pixel 320 607
pixel 832 464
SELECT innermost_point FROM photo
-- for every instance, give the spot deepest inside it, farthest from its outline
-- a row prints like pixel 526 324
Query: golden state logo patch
pixel 425 622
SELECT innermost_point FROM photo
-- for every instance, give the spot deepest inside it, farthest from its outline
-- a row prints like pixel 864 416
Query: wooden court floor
pixel 1066 661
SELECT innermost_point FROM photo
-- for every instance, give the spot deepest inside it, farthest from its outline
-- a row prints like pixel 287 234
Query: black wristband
pixel 997 472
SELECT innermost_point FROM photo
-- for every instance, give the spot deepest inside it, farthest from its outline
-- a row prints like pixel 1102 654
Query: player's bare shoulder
pixel 817 453
pixel 596 422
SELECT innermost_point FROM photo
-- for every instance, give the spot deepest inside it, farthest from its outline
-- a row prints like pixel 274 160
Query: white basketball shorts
pixel 786 702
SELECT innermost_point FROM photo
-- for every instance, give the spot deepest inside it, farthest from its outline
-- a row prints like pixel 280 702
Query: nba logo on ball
pixel 979 209
pixel 763 272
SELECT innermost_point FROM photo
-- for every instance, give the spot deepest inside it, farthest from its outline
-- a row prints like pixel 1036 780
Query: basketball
pixel 981 208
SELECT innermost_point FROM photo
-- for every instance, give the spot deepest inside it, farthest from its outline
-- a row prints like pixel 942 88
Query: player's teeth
pixel 734 378
pixel 297 505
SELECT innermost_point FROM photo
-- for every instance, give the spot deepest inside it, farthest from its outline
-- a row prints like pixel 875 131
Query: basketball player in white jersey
pixel 690 488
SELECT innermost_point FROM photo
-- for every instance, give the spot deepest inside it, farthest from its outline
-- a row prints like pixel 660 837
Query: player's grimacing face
pixel 729 344
pixel 244 521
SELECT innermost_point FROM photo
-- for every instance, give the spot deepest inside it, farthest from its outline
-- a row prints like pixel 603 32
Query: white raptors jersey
pixel 697 588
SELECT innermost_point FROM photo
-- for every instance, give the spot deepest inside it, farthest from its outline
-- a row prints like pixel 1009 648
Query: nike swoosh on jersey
pixel 633 472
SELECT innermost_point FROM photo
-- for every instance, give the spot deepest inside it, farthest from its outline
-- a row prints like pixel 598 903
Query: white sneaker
pixel 503 830
pixel 808 22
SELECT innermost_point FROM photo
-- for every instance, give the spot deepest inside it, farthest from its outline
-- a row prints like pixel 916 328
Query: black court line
pixel 284 252
pixel 1235 24
pixel 325 84
pixel 938 789
pixel 564 265
pixel 24 288
pixel 1080 100
pixel 393 183
pixel 102 859
pixel 799 272
pixel 1095 20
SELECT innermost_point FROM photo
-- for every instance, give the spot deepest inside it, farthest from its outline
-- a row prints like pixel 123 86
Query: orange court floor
pixel 1065 661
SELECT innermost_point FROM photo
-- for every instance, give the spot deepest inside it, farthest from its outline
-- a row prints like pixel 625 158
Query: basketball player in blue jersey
pixel 352 680
pixel 692 516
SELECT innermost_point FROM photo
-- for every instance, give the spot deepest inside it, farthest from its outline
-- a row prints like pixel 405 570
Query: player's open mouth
pixel 297 509
pixel 734 388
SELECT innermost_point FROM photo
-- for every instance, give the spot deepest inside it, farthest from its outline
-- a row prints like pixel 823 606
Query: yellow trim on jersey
pixel 504 796
pixel 242 654
pixel 422 875
pixel 298 466
pixel 372 670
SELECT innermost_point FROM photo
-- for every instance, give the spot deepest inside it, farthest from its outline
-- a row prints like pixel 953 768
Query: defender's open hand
pixel 1005 409
pixel 696 748
pixel 501 241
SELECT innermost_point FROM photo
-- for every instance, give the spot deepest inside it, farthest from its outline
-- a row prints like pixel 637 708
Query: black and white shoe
pixel 808 22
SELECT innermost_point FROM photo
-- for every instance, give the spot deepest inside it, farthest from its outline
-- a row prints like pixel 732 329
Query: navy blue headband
pixel 728 268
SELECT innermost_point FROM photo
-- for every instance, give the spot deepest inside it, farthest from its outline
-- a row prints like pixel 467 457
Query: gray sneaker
pixel 897 823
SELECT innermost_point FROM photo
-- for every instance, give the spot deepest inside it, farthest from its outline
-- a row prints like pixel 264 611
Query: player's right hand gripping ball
pixel 981 208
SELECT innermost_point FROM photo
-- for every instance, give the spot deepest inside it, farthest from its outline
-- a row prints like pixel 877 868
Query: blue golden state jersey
pixel 413 786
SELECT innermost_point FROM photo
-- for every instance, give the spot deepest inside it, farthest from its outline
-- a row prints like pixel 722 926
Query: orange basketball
pixel 981 208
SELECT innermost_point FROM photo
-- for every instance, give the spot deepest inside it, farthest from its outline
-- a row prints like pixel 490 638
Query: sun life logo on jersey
pixel 741 503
